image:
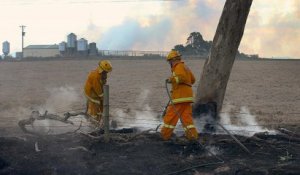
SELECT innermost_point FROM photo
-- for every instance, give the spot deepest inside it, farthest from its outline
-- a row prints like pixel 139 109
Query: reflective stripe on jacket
pixel 92 100
pixel 182 80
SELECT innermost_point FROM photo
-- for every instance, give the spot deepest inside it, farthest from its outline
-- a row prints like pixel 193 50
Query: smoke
pixel 60 99
pixel 53 127
pixel 134 34
pixel 93 31
pixel 244 123
pixel 162 29
pixel 142 118
pixel 240 123
pixel 278 23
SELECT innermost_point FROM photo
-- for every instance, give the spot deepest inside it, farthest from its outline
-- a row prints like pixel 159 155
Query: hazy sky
pixel 272 30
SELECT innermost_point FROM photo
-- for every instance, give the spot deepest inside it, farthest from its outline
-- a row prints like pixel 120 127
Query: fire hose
pixel 220 161
pixel 180 117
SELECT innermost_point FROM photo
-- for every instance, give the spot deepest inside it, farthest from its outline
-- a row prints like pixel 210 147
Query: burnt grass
pixel 146 153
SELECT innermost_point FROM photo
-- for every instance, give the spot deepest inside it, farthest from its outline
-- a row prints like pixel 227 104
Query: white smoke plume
pixel 239 123
pixel 141 117
pixel 278 23
pixel 244 123
pixel 60 99
pixel 162 30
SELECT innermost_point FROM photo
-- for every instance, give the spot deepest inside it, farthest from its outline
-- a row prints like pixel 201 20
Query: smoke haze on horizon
pixel 272 28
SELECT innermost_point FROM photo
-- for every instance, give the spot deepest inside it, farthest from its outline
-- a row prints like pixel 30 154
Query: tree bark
pixel 217 68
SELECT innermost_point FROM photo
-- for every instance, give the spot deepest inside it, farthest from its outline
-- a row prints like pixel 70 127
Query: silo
pixel 71 43
pixel 82 47
pixel 5 48
pixel 19 55
pixel 62 47
pixel 93 51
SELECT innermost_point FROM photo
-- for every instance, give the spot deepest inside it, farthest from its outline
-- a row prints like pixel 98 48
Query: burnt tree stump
pixel 216 71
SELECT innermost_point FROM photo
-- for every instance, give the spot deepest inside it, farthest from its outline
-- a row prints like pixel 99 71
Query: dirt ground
pixel 270 90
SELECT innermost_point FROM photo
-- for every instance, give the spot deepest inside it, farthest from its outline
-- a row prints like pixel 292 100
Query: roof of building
pixel 82 39
pixel 54 46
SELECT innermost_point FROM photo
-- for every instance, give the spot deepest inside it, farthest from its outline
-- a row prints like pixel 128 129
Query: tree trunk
pixel 217 68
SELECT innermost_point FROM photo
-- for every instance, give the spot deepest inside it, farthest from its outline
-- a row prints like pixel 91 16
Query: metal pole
pixel 23 34
pixel 234 138
pixel 106 111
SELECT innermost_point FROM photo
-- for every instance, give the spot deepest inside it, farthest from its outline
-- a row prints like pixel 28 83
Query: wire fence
pixel 127 119
pixel 148 123
pixel 130 109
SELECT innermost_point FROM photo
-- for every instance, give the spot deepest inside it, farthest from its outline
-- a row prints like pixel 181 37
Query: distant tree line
pixel 196 45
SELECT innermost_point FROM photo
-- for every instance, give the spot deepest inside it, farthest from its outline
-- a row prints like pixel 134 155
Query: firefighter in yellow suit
pixel 93 89
pixel 182 80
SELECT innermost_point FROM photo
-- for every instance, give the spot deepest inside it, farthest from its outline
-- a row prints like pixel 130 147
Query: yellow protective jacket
pixel 93 90
pixel 182 80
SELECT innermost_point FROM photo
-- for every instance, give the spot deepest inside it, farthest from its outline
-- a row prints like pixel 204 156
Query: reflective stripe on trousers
pixel 171 118
pixel 188 127
pixel 169 126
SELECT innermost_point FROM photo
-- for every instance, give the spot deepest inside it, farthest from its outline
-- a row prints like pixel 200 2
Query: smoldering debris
pixel 147 153
pixel 47 123
pixel 53 124
pixel 241 123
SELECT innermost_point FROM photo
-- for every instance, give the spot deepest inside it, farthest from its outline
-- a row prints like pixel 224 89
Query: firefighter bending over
pixel 182 97
pixel 93 89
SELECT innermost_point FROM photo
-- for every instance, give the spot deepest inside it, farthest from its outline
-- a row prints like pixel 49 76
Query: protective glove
pixel 168 80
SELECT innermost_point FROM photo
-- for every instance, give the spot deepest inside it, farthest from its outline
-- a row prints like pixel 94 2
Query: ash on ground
pixel 146 153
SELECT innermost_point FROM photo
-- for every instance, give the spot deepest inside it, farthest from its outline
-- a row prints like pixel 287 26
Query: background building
pixel 82 47
pixel 5 48
pixel 93 51
pixel 19 55
pixel 62 48
pixel 71 43
pixel 41 51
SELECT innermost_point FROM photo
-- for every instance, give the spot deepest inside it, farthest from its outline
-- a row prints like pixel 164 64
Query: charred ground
pixel 146 153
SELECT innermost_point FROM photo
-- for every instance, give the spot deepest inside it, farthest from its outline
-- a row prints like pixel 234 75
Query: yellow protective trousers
pixel 95 110
pixel 171 118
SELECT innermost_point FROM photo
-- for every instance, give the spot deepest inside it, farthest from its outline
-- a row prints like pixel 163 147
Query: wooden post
pixel 217 68
pixel 106 111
